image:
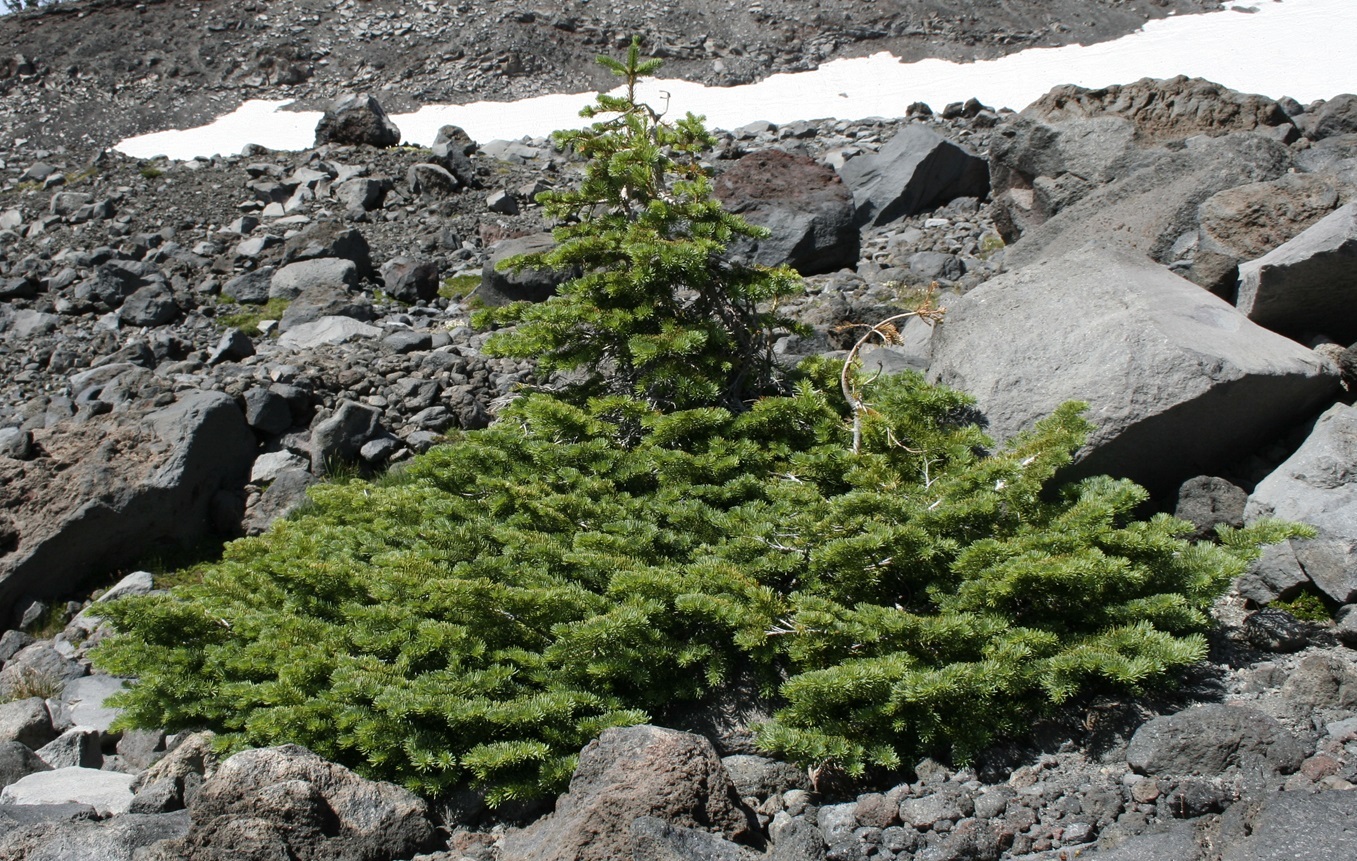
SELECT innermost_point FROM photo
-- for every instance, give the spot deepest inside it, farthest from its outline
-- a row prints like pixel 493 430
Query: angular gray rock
pixel 430 180
pixel 1338 116
pixel 626 774
pixel 326 273
pixel 1277 574
pixel 327 239
pixel 77 747
pixel 1037 169
pixel 109 792
pixel 1208 501
pixel 530 285
pixel 916 170
pixel 340 437
pixel 1153 201
pixel 152 305
pixel 1307 285
pixel 82 702
pixel 356 119
pixel 27 722
pixel 408 280
pixel 17 761
pixel 1207 385
pixel 317 302
pixel 251 288
pixel 282 497
pixel 361 194
pixel 804 205
pixel 130 837
pixel 324 331
pixel 267 411
pixel 190 451
pixel 1317 485
pixel 452 148
pixel 1209 739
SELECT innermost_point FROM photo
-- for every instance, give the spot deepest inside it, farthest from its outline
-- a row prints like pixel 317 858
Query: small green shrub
pixel 458 287
pixel 1307 606
pixel 591 562
pixel 485 612
pixel 658 312
pixel 249 317
pixel 149 172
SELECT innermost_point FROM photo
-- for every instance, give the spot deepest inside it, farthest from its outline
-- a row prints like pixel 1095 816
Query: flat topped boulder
pixel 1307 285
pixel 356 119
pixel 1178 382
pixel 108 792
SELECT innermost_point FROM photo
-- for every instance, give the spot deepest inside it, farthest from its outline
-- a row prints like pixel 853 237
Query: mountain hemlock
pixel 657 312
pixel 480 615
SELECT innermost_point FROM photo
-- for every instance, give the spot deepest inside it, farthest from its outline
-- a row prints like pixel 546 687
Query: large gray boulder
pixel 806 208
pixel 1208 740
pixel 1168 109
pixel 627 774
pixel 1038 169
pixel 356 119
pixel 326 239
pixel 323 273
pixel 130 837
pixel 1178 382
pixel 1307 285
pixel 103 495
pixel 320 301
pixel 526 285
pixel 1318 485
pixel 1150 203
pixel 109 792
pixel 1251 220
pixel 1298 825
pixel 916 170
pixel 286 802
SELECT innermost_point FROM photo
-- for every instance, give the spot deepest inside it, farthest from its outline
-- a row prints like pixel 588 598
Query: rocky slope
pixel 184 347
pixel 97 71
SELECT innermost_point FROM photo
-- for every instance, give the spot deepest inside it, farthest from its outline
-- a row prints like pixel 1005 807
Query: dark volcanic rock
pixel 123 488
pixel 916 170
pixel 1170 109
pixel 1207 740
pixel 805 206
pixel 630 773
pixel 531 285
pixel 357 119
pixel 286 802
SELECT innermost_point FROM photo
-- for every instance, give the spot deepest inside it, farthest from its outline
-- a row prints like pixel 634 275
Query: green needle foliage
pixel 592 562
pixel 483 614
pixel 658 313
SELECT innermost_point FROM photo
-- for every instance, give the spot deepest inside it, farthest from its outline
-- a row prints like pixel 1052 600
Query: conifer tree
pixel 657 312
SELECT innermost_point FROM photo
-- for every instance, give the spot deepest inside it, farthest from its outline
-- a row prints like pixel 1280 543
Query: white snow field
pixel 1306 49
